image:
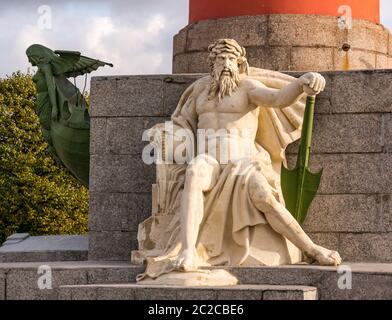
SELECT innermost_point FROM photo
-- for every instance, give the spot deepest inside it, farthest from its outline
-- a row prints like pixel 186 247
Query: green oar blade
pixel 311 185
pixel 289 180
pixel 301 187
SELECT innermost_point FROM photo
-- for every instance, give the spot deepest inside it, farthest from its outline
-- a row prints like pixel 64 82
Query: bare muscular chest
pixel 237 103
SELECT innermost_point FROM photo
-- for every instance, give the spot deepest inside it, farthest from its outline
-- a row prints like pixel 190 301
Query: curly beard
pixel 223 85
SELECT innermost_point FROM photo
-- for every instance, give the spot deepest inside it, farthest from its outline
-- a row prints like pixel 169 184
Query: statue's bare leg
pixel 284 223
pixel 201 175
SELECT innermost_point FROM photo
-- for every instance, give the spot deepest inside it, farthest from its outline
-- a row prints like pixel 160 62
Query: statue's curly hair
pixel 232 46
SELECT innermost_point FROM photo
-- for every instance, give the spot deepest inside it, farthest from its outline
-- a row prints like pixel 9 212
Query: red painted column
pixel 214 9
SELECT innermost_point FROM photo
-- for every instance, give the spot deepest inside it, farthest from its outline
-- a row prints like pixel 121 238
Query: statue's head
pixel 40 54
pixel 227 61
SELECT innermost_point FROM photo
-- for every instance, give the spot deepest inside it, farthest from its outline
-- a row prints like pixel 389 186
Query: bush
pixel 36 195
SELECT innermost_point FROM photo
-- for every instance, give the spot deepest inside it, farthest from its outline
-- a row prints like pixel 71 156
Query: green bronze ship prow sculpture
pixel 62 109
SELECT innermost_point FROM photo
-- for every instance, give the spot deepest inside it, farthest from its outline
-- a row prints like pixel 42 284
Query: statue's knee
pixel 197 171
pixel 261 195
pixel 201 174
pixel 191 172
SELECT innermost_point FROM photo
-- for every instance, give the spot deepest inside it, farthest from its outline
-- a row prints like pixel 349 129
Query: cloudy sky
pixel 135 35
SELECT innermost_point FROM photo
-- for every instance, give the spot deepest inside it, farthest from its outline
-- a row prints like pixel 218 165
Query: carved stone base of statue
pixel 201 278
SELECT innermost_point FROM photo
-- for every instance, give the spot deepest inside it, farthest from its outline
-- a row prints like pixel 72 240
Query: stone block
pixel 198 62
pixel 120 173
pixel 272 58
pixel 126 96
pixel 78 293
pixel 302 30
pixel 198 294
pixel 328 240
pixel 192 62
pixel 369 247
pixel 118 211
pixel 200 35
pixel 345 133
pixel 114 275
pixel 180 64
pixel 65 293
pixel 370 281
pixel 387 212
pixel 112 245
pixel 368 36
pixel 360 60
pixel 282 275
pixel 365 286
pixel 119 293
pixel 389 44
pixel 45 248
pixel 2 285
pixel 346 213
pixel 247 30
pixel 22 284
pixel 37 256
pixel 362 91
pixel 179 41
pixel 158 293
pixel 387 134
pixel 357 60
pixel 310 59
pixel 175 86
pixel 98 137
pixel 240 294
pixel 351 173
pixel 323 104
pixel 381 61
pixel 125 135
pixel 352 133
pixel 16 238
pixel 291 294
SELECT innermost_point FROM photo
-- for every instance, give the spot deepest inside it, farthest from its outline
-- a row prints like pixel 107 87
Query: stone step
pixel 368 280
pixel 21 247
pixel 139 292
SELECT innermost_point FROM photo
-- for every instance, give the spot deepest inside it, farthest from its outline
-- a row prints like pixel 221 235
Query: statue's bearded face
pixel 225 75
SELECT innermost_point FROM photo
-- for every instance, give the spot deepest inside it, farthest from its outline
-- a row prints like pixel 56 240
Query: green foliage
pixel 36 196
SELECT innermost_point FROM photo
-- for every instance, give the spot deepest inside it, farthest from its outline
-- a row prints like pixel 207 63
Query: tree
pixel 36 195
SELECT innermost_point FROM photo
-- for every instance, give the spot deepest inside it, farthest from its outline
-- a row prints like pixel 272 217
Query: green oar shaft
pixel 307 130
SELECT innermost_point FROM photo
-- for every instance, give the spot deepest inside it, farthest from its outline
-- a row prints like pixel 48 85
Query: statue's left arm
pixel 47 71
pixel 310 83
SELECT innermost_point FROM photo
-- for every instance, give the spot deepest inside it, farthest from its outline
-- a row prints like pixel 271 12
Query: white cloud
pixel 386 13
pixel 156 24
pixel 135 36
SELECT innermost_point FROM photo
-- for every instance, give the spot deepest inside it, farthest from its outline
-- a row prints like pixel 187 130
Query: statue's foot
pixel 188 261
pixel 326 257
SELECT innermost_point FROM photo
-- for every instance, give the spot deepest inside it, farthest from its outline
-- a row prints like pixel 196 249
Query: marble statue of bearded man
pixel 225 206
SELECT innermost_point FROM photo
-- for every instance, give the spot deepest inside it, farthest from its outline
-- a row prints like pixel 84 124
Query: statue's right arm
pixel 310 83
pixel 47 71
pixel 261 95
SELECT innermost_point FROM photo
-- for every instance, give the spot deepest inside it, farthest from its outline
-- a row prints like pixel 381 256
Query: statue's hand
pixel 313 83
